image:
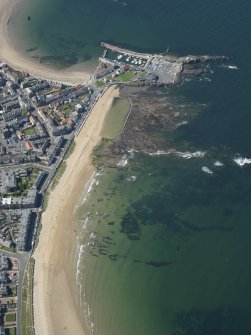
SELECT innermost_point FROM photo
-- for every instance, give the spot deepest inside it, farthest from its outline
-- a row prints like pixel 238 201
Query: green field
pixel 115 118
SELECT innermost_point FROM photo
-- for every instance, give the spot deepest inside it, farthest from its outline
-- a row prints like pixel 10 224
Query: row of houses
pixel 30 201
pixel 24 232
pixel 4 266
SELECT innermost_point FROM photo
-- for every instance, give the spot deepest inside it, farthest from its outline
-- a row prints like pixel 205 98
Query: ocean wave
pixel 131 178
pixel 89 189
pixel 80 254
pixel 80 282
pixel 206 79
pixel 230 67
pixel 182 123
pixel 132 153
pixel 186 154
pixel 206 170
pixel 218 163
pixel 87 315
pixel 123 162
pixel 241 161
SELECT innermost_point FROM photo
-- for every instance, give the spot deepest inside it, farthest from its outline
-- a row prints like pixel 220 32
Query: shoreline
pixel 16 59
pixel 55 308
pixel 55 303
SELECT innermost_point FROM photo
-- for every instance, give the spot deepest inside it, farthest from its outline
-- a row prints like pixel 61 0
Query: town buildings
pixel 37 123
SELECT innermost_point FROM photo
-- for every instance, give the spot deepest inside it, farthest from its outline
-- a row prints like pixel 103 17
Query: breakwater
pixel 115 48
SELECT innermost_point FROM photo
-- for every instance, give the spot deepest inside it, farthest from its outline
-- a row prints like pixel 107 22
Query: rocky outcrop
pixel 202 59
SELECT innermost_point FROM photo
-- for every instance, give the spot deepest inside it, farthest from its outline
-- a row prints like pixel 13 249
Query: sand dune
pixel 11 55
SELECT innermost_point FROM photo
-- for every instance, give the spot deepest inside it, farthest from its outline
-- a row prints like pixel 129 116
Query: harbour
pixel 163 69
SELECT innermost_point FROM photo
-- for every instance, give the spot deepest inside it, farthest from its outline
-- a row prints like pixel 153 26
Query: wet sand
pixel 55 309
pixel 15 58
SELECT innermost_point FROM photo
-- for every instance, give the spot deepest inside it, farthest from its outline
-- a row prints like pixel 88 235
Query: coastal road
pixel 22 260
pixel 94 97
pixel 27 165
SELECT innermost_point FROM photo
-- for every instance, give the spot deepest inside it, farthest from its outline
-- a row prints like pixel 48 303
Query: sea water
pixel 164 243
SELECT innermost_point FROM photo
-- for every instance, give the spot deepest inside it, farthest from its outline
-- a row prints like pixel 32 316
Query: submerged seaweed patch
pixel 130 227
pixel 158 264
pixel 64 61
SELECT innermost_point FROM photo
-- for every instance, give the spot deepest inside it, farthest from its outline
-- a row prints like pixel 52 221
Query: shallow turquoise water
pixel 172 256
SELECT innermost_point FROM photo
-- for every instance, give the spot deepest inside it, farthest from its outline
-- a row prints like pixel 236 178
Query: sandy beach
pixel 12 56
pixel 55 309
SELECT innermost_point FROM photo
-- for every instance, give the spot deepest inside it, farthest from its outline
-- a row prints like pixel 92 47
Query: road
pixel 23 259
pixel 27 165
pixel 94 97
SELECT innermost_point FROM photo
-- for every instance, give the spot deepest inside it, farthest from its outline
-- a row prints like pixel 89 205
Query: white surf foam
pixel 80 254
pixel 131 178
pixel 206 170
pixel 241 161
pixel 230 67
pixel 218 163
pixel 186 154
pixel 182 123
pixel 89 189
pixel 123 162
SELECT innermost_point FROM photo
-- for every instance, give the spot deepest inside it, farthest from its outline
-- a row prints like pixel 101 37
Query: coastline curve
pixel 20 62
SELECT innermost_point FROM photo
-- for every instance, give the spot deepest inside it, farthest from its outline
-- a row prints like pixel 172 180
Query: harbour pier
pixel 126 51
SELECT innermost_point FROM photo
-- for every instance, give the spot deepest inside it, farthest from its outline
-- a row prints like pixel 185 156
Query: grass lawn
pixel 45 201
pixel 58 174
pixel 100 83
pixel 24 183
pixel 30 131
pixel 3 247
pixel 115 118
pixel 70 150
pixel 32 82
pixel 27 306
pixel 66 109
pixel 127 76
pixel 11 331
pixel 10 317
pixel 97 152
